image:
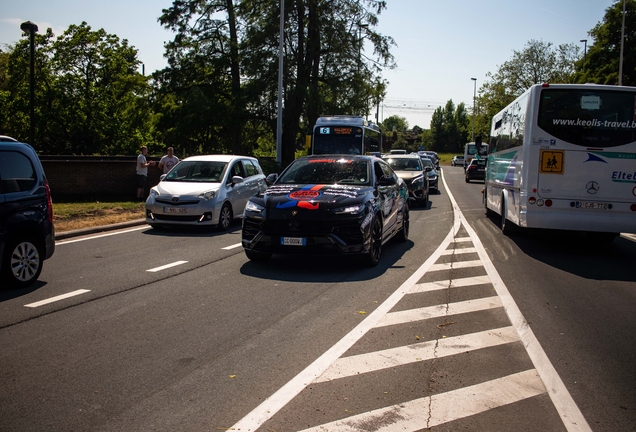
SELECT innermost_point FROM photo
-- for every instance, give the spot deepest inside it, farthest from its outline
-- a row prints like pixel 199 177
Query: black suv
pixel 328 204
pixel 27 235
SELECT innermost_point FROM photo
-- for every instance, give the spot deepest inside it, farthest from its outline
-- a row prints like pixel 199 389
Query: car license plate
pixel 591 205
pixel 175 210
pixel 293 241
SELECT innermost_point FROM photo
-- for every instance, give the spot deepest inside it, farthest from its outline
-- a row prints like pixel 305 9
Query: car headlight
pixel 351 209
pixel 154 192
pixel 251 206
pixel 419 179
pixel 208 195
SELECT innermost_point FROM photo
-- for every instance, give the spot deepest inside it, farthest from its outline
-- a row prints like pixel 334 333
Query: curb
pixel 98 229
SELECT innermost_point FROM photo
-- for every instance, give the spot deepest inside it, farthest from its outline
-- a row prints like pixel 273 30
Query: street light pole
pixel 31 29
pixel 279 119
pixel 584 53
pixel 360 27
pixel 474 97
pixel 620 65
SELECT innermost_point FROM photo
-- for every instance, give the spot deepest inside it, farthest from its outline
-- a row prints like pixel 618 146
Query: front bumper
pixel 344 236
pixel 193 214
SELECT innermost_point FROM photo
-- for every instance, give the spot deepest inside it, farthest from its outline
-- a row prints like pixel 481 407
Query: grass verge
pixel 69 216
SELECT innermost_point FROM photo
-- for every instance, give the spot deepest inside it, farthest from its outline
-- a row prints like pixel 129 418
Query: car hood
pixel 408 175
pixel 181 188
pixel 313 196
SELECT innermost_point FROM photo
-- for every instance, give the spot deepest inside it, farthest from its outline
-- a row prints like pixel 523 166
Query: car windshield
pixel 197 171
pixel 327 171
pixel 427 163
pixel 405 164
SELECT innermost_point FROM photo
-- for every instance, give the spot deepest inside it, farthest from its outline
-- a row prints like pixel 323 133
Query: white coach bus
pixel 563 156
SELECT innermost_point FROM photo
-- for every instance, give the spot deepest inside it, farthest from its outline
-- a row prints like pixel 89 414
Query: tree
pixel 226 56
pixel 449 128
pixel 603 57
pixel 89 98
pixel 537 63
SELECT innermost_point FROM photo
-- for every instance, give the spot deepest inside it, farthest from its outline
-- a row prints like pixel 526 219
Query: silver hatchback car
pixel 209 190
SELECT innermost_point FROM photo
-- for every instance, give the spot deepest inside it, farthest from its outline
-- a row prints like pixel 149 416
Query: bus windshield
pixel 337 140
pixel 588 117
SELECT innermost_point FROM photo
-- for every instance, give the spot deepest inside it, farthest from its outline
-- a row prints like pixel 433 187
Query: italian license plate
pixel 293 241
pixel 591 205
pixel 180 210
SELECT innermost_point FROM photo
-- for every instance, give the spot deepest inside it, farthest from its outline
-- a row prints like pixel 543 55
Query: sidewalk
pixel 98 229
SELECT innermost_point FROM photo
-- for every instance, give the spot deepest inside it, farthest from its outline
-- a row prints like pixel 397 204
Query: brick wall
pixel 94 177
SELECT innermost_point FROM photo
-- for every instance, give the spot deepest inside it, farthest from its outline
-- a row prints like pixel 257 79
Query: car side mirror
pixel 386 180
pixel 271 178
pixel 236 180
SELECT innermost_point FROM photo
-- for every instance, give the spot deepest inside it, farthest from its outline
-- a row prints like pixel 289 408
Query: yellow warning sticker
pixel 552 161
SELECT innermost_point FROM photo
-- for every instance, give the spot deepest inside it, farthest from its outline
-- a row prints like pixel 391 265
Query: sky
pixel 441 44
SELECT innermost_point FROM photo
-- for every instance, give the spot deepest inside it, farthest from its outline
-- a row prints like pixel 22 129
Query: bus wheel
pixel 506 225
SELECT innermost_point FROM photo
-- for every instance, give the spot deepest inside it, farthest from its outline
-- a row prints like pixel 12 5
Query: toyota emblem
pixel 175 199
pixel 592 187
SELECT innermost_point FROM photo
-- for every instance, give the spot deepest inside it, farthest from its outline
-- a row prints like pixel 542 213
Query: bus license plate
pixel 591 205
pixel 175 210
pixel 293 241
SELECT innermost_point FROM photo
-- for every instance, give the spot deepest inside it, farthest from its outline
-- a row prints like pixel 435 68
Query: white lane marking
pixel 167 266
pixel 462 239
pixel 456 265
pixel 234 246
pixel 57 298
pixel 378 360
pixel 460 251
pixel 63 242
pixel 424 413
pixel 569 412
pixel 472 399
pixel 286 393
pixel 445 284
pixel 631 237
pixel 440 310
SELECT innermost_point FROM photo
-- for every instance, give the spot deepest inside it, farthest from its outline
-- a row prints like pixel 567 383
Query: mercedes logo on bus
pixel 592 187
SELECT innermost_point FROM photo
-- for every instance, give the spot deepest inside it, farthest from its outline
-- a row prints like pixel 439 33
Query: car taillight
pixel 633 207
pixel 49 201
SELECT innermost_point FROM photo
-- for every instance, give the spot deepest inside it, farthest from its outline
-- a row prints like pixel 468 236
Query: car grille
pixel 180 202
pixel 346 230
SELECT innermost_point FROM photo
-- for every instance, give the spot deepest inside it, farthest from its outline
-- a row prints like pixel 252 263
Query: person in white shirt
pixel 168 161
pixel 142 172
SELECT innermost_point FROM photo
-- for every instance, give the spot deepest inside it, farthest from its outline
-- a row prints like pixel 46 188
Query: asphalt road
pixel 461 328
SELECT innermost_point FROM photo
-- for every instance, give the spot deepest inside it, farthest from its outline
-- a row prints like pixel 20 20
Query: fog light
pixel 548 203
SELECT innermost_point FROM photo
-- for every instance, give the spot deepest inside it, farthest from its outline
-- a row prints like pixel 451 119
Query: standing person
pixel 168 161
pixel 142 172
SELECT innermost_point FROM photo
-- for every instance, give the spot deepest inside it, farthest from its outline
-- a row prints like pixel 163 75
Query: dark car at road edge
pixel 27 234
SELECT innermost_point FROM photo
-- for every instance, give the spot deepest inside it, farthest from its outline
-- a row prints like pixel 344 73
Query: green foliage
pixel 89 99
pixel 603 57
pixel 537 63
pixel 449 128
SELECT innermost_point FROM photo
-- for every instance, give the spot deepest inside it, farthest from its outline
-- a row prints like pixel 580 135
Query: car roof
pixel 339 156
pixel 400 156
pixel 6 138
pixel 217 158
